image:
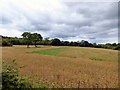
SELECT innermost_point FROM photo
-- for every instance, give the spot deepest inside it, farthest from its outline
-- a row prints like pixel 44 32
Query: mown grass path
pixel 75 52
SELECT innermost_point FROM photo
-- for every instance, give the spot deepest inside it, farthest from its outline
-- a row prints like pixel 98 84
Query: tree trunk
pixel 27 45
pixel 35 44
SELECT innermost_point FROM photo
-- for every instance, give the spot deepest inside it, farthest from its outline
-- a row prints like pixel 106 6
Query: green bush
pixel 6 43
pixel 116 48
pixel 11 79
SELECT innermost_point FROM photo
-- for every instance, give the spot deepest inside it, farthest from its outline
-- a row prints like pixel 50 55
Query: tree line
pixel 37 39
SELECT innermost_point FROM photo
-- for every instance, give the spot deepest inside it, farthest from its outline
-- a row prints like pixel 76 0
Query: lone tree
pixel 27 38
pixel 36 37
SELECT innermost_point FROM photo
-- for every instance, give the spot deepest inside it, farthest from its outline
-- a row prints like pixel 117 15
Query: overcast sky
pixel 74 21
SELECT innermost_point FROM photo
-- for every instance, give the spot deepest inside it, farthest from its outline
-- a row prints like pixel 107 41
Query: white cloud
pixel 12 32
pixel 67 20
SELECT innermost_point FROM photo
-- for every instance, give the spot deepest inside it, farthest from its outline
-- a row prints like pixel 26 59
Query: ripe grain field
pixel 66 67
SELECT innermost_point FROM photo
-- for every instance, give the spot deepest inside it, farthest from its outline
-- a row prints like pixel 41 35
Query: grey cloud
pixel 5 20
pixel 95 22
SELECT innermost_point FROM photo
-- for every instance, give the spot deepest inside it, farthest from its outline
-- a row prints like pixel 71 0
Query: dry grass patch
pixel 69 69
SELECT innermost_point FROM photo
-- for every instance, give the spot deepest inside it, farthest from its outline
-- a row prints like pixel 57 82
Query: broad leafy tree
pixel 27 38
pixel 36 37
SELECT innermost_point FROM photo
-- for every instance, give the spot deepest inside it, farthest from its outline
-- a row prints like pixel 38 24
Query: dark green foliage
pixel 56 42
pixel 9 41
pixel 46 41
pixel 31 38
pixel 11 78
pixel 6 42
pixel 84 43
pixel 36 39
pixel 27 36
pixel 18 41
pixel 65 43
pixel 113 46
